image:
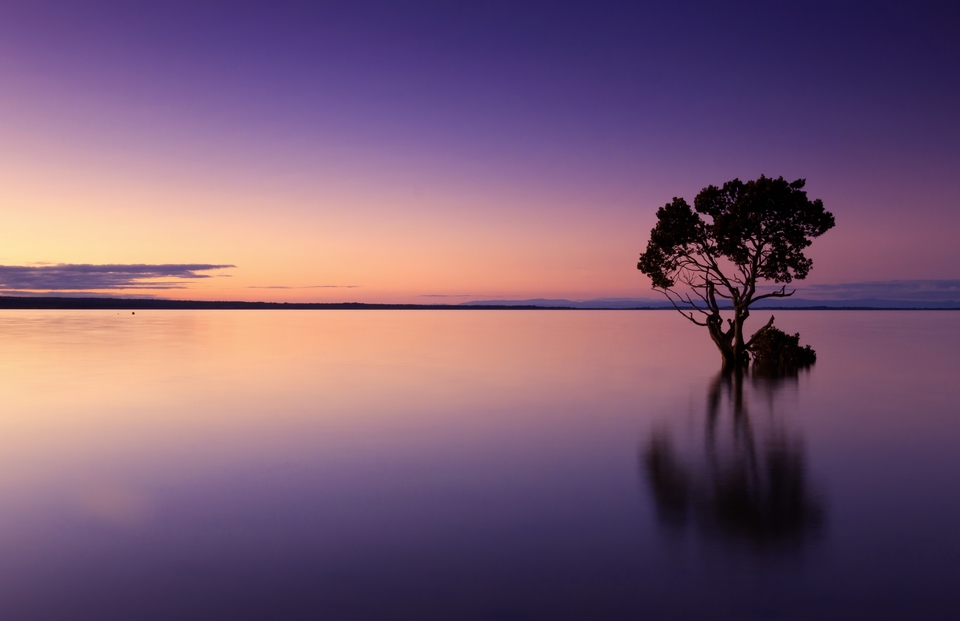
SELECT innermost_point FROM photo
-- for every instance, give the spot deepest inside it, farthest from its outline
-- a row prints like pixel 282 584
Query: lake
pixel 474 465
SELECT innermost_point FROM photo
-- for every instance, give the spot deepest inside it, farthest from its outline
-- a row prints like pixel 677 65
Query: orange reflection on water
pixel 175 389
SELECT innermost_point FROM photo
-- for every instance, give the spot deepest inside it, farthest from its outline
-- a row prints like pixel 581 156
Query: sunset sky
pixel 446 152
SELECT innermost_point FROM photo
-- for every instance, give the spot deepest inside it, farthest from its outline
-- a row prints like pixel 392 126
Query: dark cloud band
pixel 915 290
pixel 928 290
pixel 84 277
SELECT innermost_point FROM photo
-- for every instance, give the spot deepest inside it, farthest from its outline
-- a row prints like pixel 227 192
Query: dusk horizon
pixel 515 311
pixel 388 153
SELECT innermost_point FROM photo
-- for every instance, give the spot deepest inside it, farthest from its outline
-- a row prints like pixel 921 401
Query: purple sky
pixel 504 150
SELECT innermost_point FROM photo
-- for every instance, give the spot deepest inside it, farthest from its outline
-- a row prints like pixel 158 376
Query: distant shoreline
pixel 55 303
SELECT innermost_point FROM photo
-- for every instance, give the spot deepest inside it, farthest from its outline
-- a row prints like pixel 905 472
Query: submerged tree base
pixel 774 351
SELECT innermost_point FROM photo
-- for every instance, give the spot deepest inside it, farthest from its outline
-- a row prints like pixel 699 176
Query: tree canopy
pixel 733 239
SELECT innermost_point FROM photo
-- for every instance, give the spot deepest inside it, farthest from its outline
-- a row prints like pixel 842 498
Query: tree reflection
pixel 748 487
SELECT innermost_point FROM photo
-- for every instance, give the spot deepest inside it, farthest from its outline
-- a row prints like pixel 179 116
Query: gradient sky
pixel 403 151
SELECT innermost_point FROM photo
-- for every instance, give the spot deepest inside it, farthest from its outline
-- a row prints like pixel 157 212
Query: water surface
pixel 473 465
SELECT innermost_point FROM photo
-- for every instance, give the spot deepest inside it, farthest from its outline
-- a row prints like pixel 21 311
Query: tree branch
pixel 757 333
pixel 776 294
pixel 687 315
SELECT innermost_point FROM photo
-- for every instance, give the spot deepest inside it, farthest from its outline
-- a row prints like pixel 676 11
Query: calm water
pixel 473 465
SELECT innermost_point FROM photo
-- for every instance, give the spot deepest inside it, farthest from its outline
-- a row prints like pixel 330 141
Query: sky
pixel 447 152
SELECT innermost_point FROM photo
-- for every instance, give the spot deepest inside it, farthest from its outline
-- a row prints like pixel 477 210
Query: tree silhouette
pixel 734 238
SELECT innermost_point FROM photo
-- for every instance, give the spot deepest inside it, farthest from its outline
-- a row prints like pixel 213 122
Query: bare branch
pixel 688 316
pixel 686 300
pixel 776 294
pixel 758 332
pixel 735 292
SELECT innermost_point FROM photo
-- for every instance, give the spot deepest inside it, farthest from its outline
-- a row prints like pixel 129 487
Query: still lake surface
pixel 473 465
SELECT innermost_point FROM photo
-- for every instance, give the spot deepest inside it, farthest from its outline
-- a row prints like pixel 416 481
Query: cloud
pixel 79 294
pixel 85 277
pixel 908 290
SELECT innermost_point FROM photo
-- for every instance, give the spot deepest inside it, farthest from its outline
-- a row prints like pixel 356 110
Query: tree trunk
pixel 733 349
pixel 722 340
pixel 729 360
pixel 739 346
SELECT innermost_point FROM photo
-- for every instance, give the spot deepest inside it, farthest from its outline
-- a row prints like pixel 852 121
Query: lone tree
pixel 734 238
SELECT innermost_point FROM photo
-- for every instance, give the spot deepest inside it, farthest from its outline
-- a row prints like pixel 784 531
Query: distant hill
pixel 785 303
pixel 599 303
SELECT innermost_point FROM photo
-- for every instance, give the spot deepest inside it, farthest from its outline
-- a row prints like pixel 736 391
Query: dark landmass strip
pixel 51 303
pixel 134 304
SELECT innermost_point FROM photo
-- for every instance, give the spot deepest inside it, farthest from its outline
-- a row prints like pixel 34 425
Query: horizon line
pixel 8 302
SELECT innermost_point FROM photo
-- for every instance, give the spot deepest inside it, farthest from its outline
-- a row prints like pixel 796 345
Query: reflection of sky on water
pixel 468 465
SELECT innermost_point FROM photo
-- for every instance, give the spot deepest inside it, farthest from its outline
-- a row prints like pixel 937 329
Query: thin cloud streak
pixel 86 277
